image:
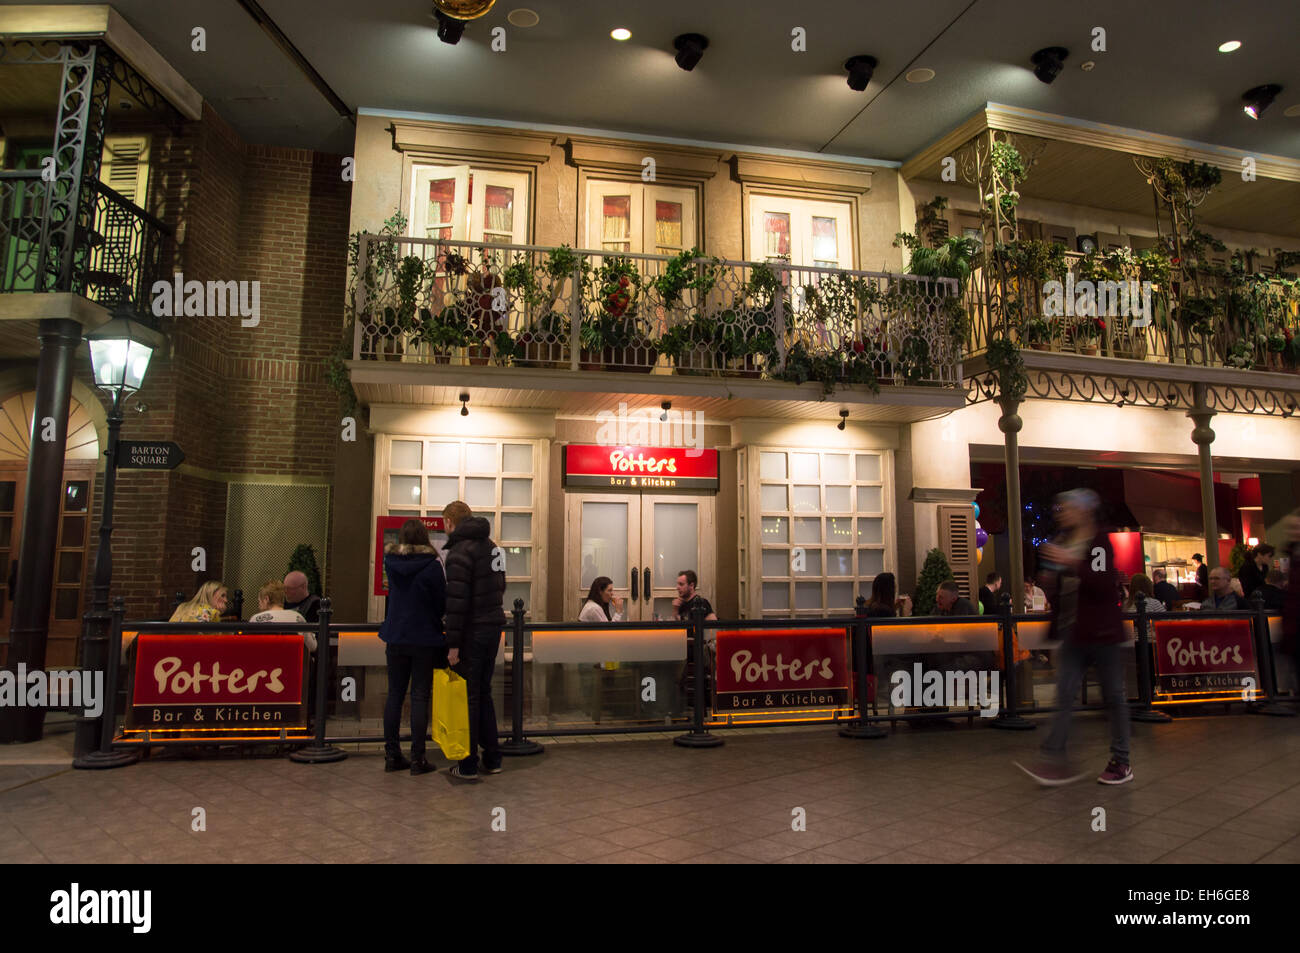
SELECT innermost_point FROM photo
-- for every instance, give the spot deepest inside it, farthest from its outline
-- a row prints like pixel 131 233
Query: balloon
pixel 980 607
pixel 979 554
pixel 977 510
pixel 981 537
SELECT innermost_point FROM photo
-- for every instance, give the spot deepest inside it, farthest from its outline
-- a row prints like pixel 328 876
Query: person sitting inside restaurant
pixel 1273 590
pixel 1164 590
pixel 688 598
pixel 207 605
pixel 270 600
pixel 297 597
pixel 882 604
pixel 1255 569
pixel 948 600
pixel 600 599
pixel 1035 597
pixel 989 593
pixel 1221 595
pixel 1141 591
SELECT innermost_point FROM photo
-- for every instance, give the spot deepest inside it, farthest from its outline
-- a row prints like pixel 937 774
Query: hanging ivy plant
pixel 1004 359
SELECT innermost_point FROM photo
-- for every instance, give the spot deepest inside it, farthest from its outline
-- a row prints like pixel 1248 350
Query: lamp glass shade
pixel 120 353
pixel 1249 496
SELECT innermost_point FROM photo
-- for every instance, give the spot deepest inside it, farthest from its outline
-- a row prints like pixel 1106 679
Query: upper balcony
pixel 435 313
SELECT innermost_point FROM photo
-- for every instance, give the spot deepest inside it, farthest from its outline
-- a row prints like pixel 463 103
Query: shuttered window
pixel 957 540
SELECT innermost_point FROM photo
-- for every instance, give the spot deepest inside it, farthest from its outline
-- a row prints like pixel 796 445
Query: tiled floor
pixel 1211 789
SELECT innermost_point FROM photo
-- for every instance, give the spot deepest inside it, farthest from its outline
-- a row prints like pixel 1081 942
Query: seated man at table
pixel 1035 598
pixel 1272 591
pixel 1221 595
pixel 1164 590
pixel 949 601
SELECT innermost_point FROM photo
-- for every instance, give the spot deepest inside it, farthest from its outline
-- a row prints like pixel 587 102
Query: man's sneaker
pixel 1050 775
pixel 1116 773
pixel 459 775
pixel 484 769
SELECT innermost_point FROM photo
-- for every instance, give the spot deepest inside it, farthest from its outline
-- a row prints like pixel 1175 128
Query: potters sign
pixel 1201 656
pixel 641 468
pixel 781 668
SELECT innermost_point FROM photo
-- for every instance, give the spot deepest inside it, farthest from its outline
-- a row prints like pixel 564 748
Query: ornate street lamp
pixel 119 352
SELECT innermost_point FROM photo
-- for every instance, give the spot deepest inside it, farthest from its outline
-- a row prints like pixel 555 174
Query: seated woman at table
pixel 207 605
pixel 270 600
pixel 1142 590
pixel 882 603
pixel 596 607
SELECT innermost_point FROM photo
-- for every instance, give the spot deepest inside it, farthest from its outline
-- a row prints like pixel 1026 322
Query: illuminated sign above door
pixel 641 468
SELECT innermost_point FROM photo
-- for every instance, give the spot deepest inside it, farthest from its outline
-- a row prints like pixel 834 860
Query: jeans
pixel 477 662
pixel 414 664
pixel 1073 660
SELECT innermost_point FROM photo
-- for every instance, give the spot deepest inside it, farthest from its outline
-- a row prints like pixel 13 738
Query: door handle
pixel 645 584
pixel 634 582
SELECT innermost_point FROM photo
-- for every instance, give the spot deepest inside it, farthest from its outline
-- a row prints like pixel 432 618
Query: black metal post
pixel 106 757
pixel 1008 718
pixel 698 736
pixel 30 619
pixel 237 604
pixel 96 623
pixel 1143 711
pixel 176 604
pixel 1264 652
pixel 860 727
pixel 318 752
pixel 518 744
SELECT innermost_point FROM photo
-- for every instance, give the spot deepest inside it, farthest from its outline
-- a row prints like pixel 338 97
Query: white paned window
pixel 457 203
pixel 800 231
pixel 633 217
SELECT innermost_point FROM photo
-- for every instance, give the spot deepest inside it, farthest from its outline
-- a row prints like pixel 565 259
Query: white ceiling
pixel 1161 70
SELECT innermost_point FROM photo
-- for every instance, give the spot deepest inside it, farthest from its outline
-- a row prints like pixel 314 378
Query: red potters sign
pixel 218 682
pixel 386 530
pixel 641 468
pixel 781 668
pixel 1204 655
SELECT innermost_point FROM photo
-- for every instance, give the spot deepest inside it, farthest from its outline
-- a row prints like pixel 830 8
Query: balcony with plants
pixel 440 302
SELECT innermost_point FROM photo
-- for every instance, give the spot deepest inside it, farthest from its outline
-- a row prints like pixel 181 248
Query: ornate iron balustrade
pixel 454 302
pixel 115 258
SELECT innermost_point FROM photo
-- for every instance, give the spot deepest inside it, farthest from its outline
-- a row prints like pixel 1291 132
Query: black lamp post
pixel 119 351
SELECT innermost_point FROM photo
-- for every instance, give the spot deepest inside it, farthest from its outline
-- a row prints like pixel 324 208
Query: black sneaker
pixel 396 764
pixel 459 775
pixel 422 766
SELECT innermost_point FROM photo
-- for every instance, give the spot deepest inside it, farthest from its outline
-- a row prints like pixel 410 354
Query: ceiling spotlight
pixel 667 406
pixel 621 33
pixel 1048 62
pixel 860 69
pixel 1257 99
pixel 690 47
pixel 1230 46
pixel 464 404
pixel 844 419
pixel 450 30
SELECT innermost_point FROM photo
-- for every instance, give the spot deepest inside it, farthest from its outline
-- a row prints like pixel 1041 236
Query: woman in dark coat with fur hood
pixel 416 643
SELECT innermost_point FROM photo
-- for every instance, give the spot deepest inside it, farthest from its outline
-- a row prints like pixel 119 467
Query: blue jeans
pixel 1073 660
pixel 477 663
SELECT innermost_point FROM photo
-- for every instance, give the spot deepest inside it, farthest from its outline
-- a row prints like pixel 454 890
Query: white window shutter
pixel 125 167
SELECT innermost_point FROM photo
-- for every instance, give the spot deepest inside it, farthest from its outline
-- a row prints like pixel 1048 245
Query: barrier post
pixel 1143 710
pixel 237 604
pixel 1264 652
pixel 318 752
pixel 859 727
pixel 106 757
pixel 180 597
pixel 518 744
pixel 1007 717
pixel 698 737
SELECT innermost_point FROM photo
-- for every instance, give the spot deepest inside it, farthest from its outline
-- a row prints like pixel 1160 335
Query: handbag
pixel 450 714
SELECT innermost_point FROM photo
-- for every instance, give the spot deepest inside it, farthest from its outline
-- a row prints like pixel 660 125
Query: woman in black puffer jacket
pixel 412 629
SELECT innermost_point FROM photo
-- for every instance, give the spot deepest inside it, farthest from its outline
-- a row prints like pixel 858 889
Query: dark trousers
pixel 413 664
pixel 477 662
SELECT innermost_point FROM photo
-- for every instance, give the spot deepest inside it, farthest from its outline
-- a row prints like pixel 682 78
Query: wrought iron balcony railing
pixel 454 302
pixel 115 257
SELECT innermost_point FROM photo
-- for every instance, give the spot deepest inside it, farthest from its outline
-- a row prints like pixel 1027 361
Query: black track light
pixel 690 48
pixel 1048 62
pixel 1257 99
pixel 464 404
pixel 666 406
pixel 450 30
pixel 844 419
pixel 860 69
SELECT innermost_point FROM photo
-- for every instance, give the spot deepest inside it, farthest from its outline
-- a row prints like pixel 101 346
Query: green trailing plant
pixel 1004 360
pixel 930 222
pixel 1237 558
pixel 303 560
pixel 1010 170
pixel 934 571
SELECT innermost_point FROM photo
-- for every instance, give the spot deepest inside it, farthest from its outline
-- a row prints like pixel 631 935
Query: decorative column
pixel 1010 424
pixel 1203 436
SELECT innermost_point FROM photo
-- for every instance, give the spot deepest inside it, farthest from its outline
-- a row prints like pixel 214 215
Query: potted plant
pixel 1241 355
pixel 1038 333
pixel 614 331
pixel 1087 333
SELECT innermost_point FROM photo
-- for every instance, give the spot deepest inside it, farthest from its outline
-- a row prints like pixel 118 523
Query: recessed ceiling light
pixel 1230 46
pixel 523 17
pixel 1088 66
pixel 621 33
pixel 921 75
pixel 1292 111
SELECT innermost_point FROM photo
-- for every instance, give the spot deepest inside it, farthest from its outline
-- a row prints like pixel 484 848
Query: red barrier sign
pixel 1204 655
pixel 782 668
pixel 641 468
pixel 218 682
pixel 386 530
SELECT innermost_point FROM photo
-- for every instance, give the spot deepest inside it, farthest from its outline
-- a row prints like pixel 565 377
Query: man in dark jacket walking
pixel 1078 570
pixel 476 585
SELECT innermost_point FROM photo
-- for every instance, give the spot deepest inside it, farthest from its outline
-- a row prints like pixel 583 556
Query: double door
pixel 640 542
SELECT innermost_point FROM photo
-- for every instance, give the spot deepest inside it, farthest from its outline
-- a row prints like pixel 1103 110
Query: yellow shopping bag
pixel 450 714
